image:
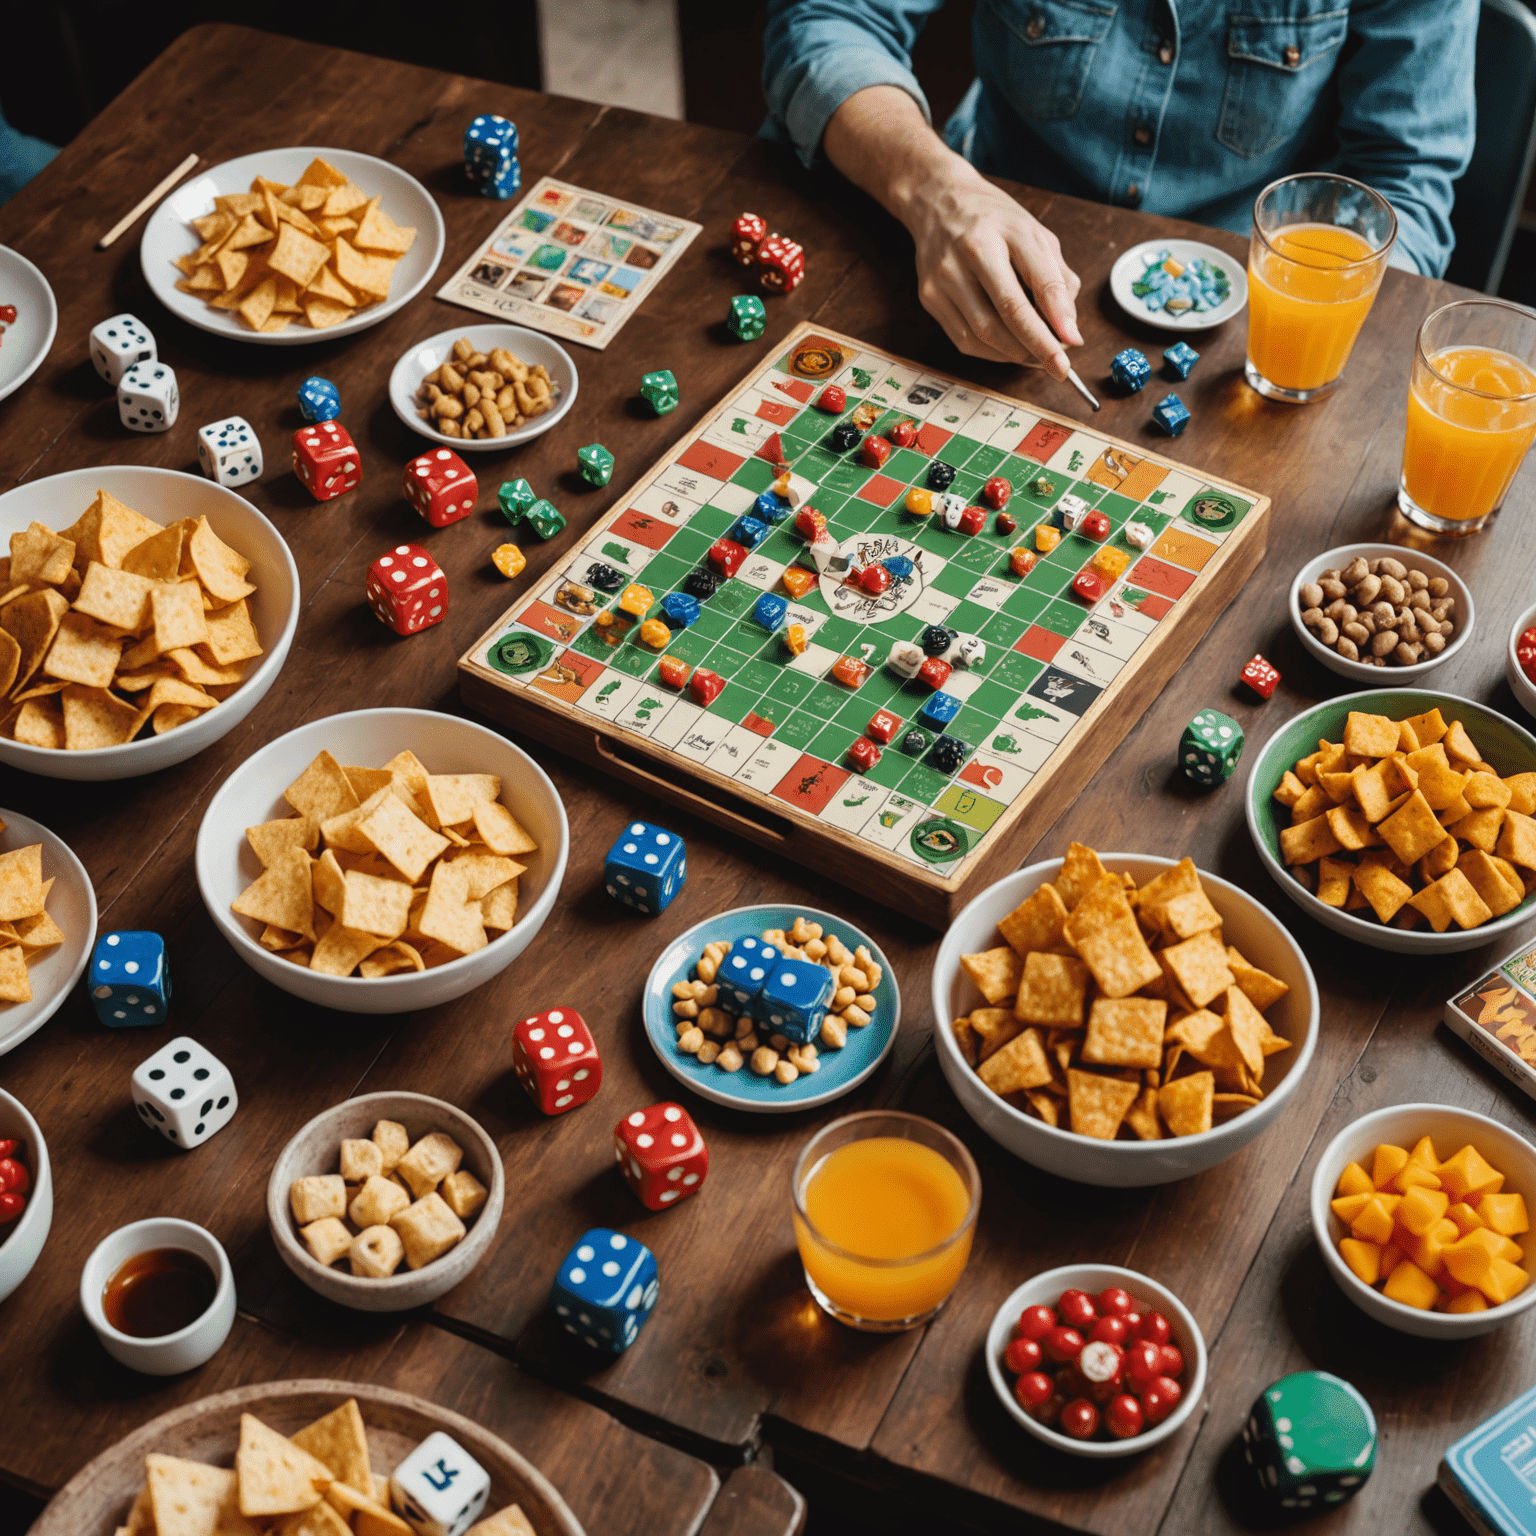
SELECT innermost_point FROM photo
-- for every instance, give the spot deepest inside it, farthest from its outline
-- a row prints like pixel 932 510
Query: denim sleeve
pixel 21 158
pixel 817 53
pixel 1408 113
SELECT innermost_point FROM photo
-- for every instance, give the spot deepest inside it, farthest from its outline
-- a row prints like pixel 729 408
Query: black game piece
pixel 604 578
pixel 935 640
pixel 947 753
pixel 940 475
pixel 701 584
pixel 843 436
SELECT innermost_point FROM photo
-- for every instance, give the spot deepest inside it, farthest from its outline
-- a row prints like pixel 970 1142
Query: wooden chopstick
pixel 152 196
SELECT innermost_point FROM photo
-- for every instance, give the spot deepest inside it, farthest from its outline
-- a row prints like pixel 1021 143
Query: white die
pixel 1139 535
pixel 185 1092
pixel 966 651
pixel 117 344
pixel 951 509
pixel 905 659
pixel 1073 510
pixel 229 451
pixel 147 398
pixel 439 1489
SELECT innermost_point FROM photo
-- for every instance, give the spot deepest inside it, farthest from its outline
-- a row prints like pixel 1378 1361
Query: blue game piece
pixel 319 399
pixel 1179 359
pixel 1130 369
pixel 679 610
pixel 793 1000
pixel 507 182
pixel 900 567
pixel 1171 414
pixel 490 154
pixel 938 709
pixel 769 611
pixel 605 1289
pixel 745 969
pixel 748 531
pixel 771 507
pixel 130 979
pixel 645 868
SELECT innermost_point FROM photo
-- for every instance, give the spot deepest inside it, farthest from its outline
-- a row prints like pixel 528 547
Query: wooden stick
pixel 152 196
pixel 1080 387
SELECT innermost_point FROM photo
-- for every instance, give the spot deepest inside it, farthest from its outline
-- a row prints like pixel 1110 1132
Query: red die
pixel 973 520
pixel 326 459
pixel 934 671
pixel 1095 526
pixel 705 685
pixel 902 433
pixel 1261 677
pixel 1088 585
pixel 883 726
pixel 556 1060
pixel 874 451
pixel 783 263
pixel 441 486
pixel 863 753
pixel 407 589
pixel 833 400
pixel 746 235
pixel 996 492
pixel 661 1154
pixel 874 579
pixel 726 556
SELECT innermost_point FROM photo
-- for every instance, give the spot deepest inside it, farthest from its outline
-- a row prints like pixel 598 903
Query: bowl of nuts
pixel 1364 608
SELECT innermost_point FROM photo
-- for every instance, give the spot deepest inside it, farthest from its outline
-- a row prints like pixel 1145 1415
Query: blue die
pixel 749 532
pixel 794 999
pixel 769 611
pixel 679 610
pixel 130 980
pixel 605 1289
pixel 646 868
pixel 1130 369
pixel 1179 359
pixel 744 972
pixel 1171 414
pixel 488 141
pixel 939 709
pixel 771 507
pixel 319 399
pixel 507 181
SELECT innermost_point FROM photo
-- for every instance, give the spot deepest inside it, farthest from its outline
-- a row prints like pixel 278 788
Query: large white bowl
pixel 24 344
pixel 1043 1290
pixel 253 793
pixel 168 235
pixel 165 495
pixel 1358 671
pixel 1125 1164
pixel 1509 748
pixel 22 1242
pixel 1522 687
pixel 1449 1129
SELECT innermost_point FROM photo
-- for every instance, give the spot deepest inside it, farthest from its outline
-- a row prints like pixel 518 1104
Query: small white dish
pixel 169 235
pixel 1043 1290
pixel 1132 263
pixel 1521 686
pixel 22 1241
pixel 1464 614
pixel 24 345
pixel 531 347
pixel 1402 1125
pixel 172 1353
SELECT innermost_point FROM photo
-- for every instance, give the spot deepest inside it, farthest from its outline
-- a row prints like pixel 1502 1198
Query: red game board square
pixel 931 438
pixel 881 490
pixel 1155 607
pixel 810 784
pixel 779 415
pixel 563 627
pixel 1039 643
pixel 705 459
pixel 1165 580
pixel 755 722
pixel 642 528
pixel 1042 440
pixel 556 681
pixel 796 389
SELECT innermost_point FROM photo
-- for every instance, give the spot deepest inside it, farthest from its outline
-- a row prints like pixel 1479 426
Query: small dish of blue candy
pixel 1179 285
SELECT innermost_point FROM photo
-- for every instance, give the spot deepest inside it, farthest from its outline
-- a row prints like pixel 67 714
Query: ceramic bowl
pixel 1402 1125
pixel 1509 748
pixel 1131 264
pixel 22 1241
pixel 1043 1290
pixel 1522 687
pixel 24 345
pixel 316 1149
pixel 1358 671
pixel 165 495
pixel 253 793
pixel 1246 923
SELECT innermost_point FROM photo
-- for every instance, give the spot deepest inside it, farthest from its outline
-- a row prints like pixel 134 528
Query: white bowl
pixel 1449 1129
pixel 165 495
pixel 72 905
pixel 171 1353
pixel 21 1243
pixel 25 344
pixel 1358 671
pixel 253 793
pixel 531 347
pixel 1246 923
pixel 1043 1290
pixel 1130 266
pixel 168 235
pixel 1522 687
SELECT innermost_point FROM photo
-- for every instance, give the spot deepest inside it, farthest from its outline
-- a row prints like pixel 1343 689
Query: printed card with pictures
pixel 574 263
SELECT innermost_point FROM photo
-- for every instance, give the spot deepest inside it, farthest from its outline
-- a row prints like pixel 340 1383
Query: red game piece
pixel 783 263
pixel 833 400
pixel 661 1154
pixel 874 451
pixel 705 685
pixel 407 589
pixel 883 726
pixel 850 671
pixel 1022 561
pixel 934 671
pixel 673 671
pixel 747 234
pixel 973 520
pixel 902 434
pixel 556 1060
pixel 996 492
pixel 1525 652
pixel 863 754
pixel 1006 522
pixel 326 459
pixel 441 486
pixel 1095 526
pixel 1261 677
pixel 810 524
pixel 726 556
pixel 771 449
pixel 1088 585
pixel 874 579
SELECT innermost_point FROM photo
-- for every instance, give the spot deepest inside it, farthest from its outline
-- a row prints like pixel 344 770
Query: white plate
pixel 169 235
pixel 531 347
pixel 1520 685
pixel 24 345
pixel 72 905
pixel 1131 265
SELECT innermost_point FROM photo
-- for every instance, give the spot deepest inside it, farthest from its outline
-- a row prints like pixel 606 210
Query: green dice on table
pixel 515 498
pixel 1311 1441
pixel 596 464
pixel 748 317
pixel 1210 747
pixel 545 518
pixel 659 390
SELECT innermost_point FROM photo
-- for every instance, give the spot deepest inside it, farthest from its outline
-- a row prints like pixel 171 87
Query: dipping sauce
pixel 158 1292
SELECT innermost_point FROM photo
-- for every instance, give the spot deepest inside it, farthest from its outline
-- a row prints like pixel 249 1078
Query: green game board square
pixel 891 769
pixel 755 474
pixel 1024 603
pixel 587 644
pixel 856 711
pixel 888 522
pixel 972 724
pixel 710 521
pixel 758 674
pixel 1117 508
pixel 826 699
pixel 711 624
pixel 791 687
pixel 840 635
pixel 976 556
pixel 923 784
pixel 817 464
pixel 849 475
pixel 908 466
pixel 735 702
pixel 828 502
pixel 665 572
pixel 632 658
pixel 848 521
pixel 831 743
pixel 968 618
pixel 799 729
pixel 954 580
pixel 992 699
pixel 969 486
pixel 881 692
pixel 932 535
pixel 1016 672
pixel 986 459
pixel 1090 491
pixel 960 450
pixel 781 546
pixel 1001 632
pixel 1062 618
pixel 900 626
pixel 734 598
pixel 689 545
pixel 692 645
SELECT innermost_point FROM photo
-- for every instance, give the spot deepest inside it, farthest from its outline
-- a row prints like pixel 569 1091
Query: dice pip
pixel 605 1289
pixel 646 867
pixel 185 1092
pixel 794 999
pixel 147 397
pixel 1311 1441
pixel 1210 747
pixel 439 1489
pixel 556 1060
pixel 319 399
pixel 130 979
pixel 661 1153
pixel 228 451
pixel 117 344
pixel 441 486
pixel 407 589
pixel 326 459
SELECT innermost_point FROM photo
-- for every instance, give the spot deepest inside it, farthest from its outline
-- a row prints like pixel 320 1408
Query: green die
pixel 596 464
pixel 659 390
pixel 748 317
pixel 515 497
pixel 916 741
pixel 545 518
pixel 1311 1441
pixel 1210 747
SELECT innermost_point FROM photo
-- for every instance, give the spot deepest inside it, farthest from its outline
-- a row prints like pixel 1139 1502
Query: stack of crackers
pixel 26 929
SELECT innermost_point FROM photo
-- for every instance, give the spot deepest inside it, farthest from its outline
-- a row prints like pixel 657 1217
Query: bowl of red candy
pixel 1096 1360
pixel 1520 660
pixel 26 1193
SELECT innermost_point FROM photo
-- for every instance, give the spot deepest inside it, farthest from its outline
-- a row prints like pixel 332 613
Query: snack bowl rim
pixel 31 271
pixel 1520 685
pixel 22 1245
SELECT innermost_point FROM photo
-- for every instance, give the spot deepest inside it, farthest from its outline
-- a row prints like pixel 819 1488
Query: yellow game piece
pixel 1109 562
pixel 1047 538
pixel 919 502
pixel 612 627
pixel 655 634
pixel 1421 1209
pixel 508 559
pixel 794 638
pixel 1348 1207
pixel 636 600
pixel 797 580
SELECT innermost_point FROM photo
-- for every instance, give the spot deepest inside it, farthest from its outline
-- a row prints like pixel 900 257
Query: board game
pixel 1058 687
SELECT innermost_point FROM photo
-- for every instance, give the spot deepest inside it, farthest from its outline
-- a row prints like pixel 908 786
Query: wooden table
pixel 901 1429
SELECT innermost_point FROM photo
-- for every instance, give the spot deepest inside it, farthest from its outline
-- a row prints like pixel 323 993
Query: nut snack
pixel 483 394
pixel 1380 612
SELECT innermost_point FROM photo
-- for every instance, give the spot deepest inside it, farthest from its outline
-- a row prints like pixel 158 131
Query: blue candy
pixel 1171 414
pixel 939 709
pixel 771 507
pixel 319 399
pixel 1179 359
pixel 769 611
pixel 1130 369
pixel 748 531
pixel 679 610
pixel 900 567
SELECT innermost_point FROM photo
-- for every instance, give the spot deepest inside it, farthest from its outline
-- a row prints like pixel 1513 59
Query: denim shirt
pixel 1180 107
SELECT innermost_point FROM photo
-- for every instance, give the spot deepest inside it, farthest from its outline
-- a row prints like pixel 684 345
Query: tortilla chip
pixel 1186 1104
pixel 1036 922
pixel 106 531
pixel 221 569
pixel 1125 1032
pixel 322 790
pixel 498 908
pixel 391 959
pixel 448 916
pixel 158 557
pixel 41 557
pixel 10 660
pixel 1142 1115
pixel 15 987
pixel 93 718
pixel 342 950
pixel 499 829
pixel 1080 872
pixel 1018 1065
pixel 339 1442
pixel 191 1498
pixel 1104 932
pixel 1176 903
pixel 452 797
pixel 33 620
pixel 282 895
pixel 84 651
pixel 372 905
pixel 1199 966
pixel 39 723
pixel 405 840
pixel 276 1476
pixel 176 612
pixel 21 883
pixel 1052 990
pixel 1096 1105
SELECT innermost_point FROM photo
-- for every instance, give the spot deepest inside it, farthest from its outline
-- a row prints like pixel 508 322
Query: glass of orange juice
pixel 1471 413
pixel 1319 246
pixel 885 1208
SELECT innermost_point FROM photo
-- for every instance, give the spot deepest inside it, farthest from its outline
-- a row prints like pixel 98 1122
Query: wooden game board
pixel 1060 686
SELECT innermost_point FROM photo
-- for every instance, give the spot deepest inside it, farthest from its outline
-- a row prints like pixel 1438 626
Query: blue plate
pixel 840 1071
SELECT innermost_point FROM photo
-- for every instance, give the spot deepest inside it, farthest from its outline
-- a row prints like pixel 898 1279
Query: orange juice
pixel 1463 448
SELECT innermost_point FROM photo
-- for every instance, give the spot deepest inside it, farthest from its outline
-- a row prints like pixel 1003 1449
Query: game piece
pixel 1139 535
pixel 850 671
pixel 863 754
pixel 407 589
pixel 1021 561
pixel 918 502
pixel 795 489
pixel 185 1092
pixel 875 451
pixel 516 498
pixel 1311 1441
pixel 326 460
pixel 577 599
pixel 611 627
pixel 900 567
pixel 228 451
pixel 940 475
pixel 660 1151
pixel 1073 511
pixel 951 510
pixel 680 610
pixel 1210 747
pixel 795 639
pixel 996 492
pixel 973 520
pixel 1179 359
pixel 488 140
pixel 827 555
pixel 655 634
pixel 833 399
pixel 916 741
pixel 701 584
pixel 968 651
pixel 771 508
pixel 771 451
pixel 319 399
pixel 769 611
pixel 1046 538
pixel 507 182
pixel 1088 586
pixel 556 1060
pixel 659 391
pixel 782 264
pixel 1130 369
pixel 647 865
pixel 545 519
pixel 1041 485
pixel 742 973
pixel 596 464
pixel 865 415
pixel 130 979
pixel 1171 414
pixel 636 600
pixel 1006 522
pixel 797 581
pixel 749 532
pixel 882 726
pixel 118 344
pixel 748 319
pixel 1095 526
pixel 509 559
pixel 810 524
pixel 874 579
pixel 934 672
pixel 673 671
pixel 441 486
pixel 938 710
pixel 147 398
pixel 747 233
pixel 842 437
pixel 947 754
pixel 1261 677
pixel 439 1488
pixel 604 577
pixel 902 434
pixel 1110 562
pixel 605 1289
pixel 794 999
pixel 705 686
pixel 726 556
pixel 936 639
pixel 904 659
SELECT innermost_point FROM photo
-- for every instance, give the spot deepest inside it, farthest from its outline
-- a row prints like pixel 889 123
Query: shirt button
pixel 1034 27
pixel 1133 195
pixel 1143 135
pixel 1165 54
pixel 1292 56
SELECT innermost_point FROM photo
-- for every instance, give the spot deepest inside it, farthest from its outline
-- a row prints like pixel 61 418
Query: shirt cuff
pixel 831 78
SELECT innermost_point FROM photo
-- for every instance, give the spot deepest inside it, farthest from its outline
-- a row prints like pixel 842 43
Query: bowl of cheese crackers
pixel 1121 1019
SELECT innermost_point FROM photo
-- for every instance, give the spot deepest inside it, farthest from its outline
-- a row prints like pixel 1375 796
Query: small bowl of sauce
pixel 157 1292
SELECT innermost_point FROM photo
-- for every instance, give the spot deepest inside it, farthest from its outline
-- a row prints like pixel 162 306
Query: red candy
pixel 874 579
pixel 1088 585
pixel 1173 1361
pixel 1076 1309
pixel 1123 1417
pixel 810 524
pixel 882 726
pixel 705 686
pixel 1159 1398
pixel 1006 522
pixel 1095 526
pixel 1034 1389
pixel 1023 1356
pixel 934 671
pixel 407 589
pixel 441 486
pixel 874 451
pixel 1063 1344
pixel 1143 1362
pixel 833 400
pixel 673 671
pixel 903 434
pixel 14 1178
pixel 1155 1328
pixel 973 520
pixel 1079 1418
pixel 1034 1323
pixel 1525 652
pixel 863 754
pixel 11 1206
pixel 556 1060
pixel 996 493
pixel 8 1146
pixel 1111 1330
pixel 726 556
pixel 1115 1302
